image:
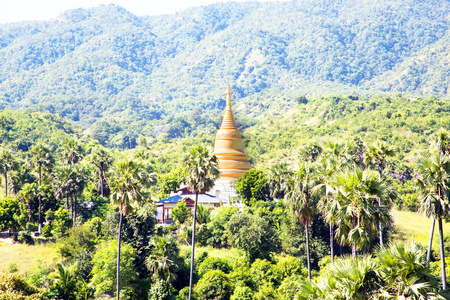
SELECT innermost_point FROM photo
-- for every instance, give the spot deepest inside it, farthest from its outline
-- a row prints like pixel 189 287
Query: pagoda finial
pixel 228 94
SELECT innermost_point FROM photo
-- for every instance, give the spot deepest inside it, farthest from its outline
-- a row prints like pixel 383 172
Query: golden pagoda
pixel 233 161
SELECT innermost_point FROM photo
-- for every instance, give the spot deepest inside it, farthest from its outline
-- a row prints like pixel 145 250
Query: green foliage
pixel 252 234
pixel 104 270
pixel 242 293
pixel 253 187
pixel 13 286
pixel 62 222
pixel 9 214
pixel 181 212
pixel 213 285
pixel 218 223
pixel 214 263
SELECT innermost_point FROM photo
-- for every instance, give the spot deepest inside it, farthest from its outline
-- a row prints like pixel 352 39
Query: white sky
pixel 26 10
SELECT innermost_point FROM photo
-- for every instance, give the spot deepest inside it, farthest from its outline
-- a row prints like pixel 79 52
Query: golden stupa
pixel 233 161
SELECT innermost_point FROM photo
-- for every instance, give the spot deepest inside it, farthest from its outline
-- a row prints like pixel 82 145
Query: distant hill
pixel 118 75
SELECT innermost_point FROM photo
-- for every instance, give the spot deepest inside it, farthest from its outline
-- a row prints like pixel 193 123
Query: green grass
pixel 26 257
pixel 410 226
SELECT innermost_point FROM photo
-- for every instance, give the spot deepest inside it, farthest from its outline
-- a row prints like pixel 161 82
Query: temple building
pixel 233 161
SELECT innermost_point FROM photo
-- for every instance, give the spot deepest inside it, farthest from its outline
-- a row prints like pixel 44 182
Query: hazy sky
pixel 23 10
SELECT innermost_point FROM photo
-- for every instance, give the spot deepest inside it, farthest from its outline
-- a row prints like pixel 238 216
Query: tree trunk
pixel 29 211
pixel 67 200
pixel 75 211
pixel 118 256
pixel 101 179
pixel 380 228
pixel 441 248
pixel 308 259
pixel 430 241
pixel 71 207
pixel 6 183
pixel 193 246
pixel 187 234
pixel 40 199
pixel 332 242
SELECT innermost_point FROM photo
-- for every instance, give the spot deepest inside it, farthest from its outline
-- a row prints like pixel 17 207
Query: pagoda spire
pixel 233 161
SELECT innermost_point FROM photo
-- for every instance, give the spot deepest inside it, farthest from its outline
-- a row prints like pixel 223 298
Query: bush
pixel 25 238
pixel 289 287
pixel 31 227
pixel 288 266
pixel 47 231
pixel 12 267
pixel 213 285
pixel 242 293
pixel 214 263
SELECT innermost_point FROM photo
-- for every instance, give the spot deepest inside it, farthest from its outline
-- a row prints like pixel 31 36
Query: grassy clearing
pixel 410 226
pixel 26 257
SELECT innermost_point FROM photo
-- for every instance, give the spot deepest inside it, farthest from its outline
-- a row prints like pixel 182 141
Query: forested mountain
pixel 118 75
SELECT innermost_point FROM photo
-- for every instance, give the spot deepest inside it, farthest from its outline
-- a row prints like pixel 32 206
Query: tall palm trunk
pixel 75 210
pixel 29 211
pixel 101 180
pixel 332 241
pixel 441 248
pixel 308 259
pixel 67 200
pixel 6 183
pixel 118 255
pixel 380 228
pixel 40 199
pixel 193 247
pixel 430 241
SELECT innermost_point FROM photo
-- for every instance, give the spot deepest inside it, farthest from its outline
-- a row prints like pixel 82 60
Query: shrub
pixel 214 263
pixel 242 293
pixel 47 231
pixel 25 238
pixel 213 285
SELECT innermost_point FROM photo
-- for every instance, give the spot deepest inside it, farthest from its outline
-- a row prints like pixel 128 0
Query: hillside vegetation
pixel 118 75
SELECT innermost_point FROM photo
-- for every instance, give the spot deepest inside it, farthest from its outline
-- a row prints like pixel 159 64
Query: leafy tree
pixel 253 187
pixel 66 285
pixel 9 214
pixel 201 170
pixel 252 234
pixel 218 223
pixel 213 285
pixel 126 181
pixel 62 221
pixel 104 270
pixel 278 180
pixel 7 163
pixel 181 212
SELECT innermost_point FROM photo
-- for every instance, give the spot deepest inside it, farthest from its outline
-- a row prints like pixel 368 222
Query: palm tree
pixel 377 154
pixel 353 209
pixel 102 160
pixel 301 201
pixel 163 261
pixel 62 183
pixel 201 170
pixel 78 182
pixel 42 156
pixel 127 181
pixel 28 194
pixel 7 163
pixel 72 151
pixel 325 170
pixel 278 179
pixel 433 180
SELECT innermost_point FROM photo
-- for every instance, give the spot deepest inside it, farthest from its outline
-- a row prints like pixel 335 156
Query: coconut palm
pixel 201 170
pixel 127 181
pixel 7 163
pixel 301 201
pixel 42 156
pixel 434 184
pixel 440 141
pixel 102 160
